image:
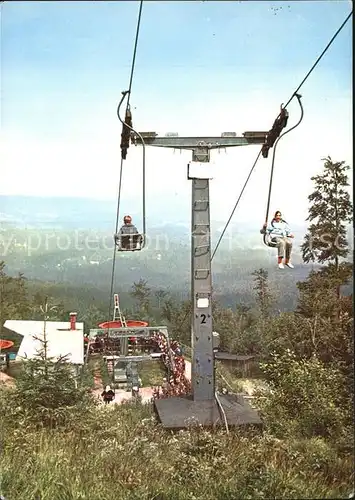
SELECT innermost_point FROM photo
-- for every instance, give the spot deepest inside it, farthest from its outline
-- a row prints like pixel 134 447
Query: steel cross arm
pixel 134 331
pixel 198 142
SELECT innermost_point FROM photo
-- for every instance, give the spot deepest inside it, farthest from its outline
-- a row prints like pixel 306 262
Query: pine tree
pixel 47 387
pixel 329 213
pixel 326 312
pixel 264 297
pixel 39 298
pixel 160 296
pixel 14 302
pixel 178 316
pixel 141 292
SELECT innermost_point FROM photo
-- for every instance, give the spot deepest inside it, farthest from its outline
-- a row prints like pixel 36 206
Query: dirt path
pixel 6 379
pixel 121 395
pixel 97 391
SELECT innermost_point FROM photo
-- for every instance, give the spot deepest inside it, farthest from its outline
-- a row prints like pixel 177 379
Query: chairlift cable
pixel 235 206
pixel 319 58
pixel 128 93
pixel 143 167
pixel 135 52
pixel 284 107
pixel 121 165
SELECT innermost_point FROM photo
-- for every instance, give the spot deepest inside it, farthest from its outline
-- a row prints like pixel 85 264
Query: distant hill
pixel 48 239
pixel 58 212
pixel 85 213
pixel 33 213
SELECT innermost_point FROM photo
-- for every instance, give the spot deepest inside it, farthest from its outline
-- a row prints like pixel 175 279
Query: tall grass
pixel 122 453
pixel 151 373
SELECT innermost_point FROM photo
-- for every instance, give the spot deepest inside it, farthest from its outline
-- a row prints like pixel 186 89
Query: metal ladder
pixel 117 314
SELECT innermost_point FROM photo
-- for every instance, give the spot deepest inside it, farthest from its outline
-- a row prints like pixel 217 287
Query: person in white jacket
pixel 280 232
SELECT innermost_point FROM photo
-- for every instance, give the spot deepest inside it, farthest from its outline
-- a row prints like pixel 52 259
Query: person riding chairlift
pixel 280 233
pixel 127 229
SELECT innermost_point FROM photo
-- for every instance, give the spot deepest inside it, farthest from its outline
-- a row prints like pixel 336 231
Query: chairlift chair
pixel 279 124
pixel 129 242
pixel 269 240
pixel 129 239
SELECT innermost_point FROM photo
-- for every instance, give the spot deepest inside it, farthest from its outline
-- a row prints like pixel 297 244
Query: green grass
pixel 87 374
pixel 226 379
pixel 121 453
pixel 151 373
pixel 103 370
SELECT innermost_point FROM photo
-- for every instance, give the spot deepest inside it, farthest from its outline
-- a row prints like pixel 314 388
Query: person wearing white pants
pixel 280 232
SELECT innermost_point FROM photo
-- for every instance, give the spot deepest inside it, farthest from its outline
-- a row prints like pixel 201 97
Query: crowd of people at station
pixel 176 383
pixel 105 345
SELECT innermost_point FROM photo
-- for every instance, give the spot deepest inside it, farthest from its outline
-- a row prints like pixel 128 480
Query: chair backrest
pixel 130 242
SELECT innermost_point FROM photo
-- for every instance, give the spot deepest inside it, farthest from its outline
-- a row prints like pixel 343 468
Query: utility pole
pixel 174 412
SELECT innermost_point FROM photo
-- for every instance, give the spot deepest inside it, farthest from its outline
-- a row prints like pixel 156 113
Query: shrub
pixel 48 393
pixel 306 397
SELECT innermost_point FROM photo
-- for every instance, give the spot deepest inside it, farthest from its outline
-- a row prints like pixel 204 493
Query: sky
pixel 202 68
